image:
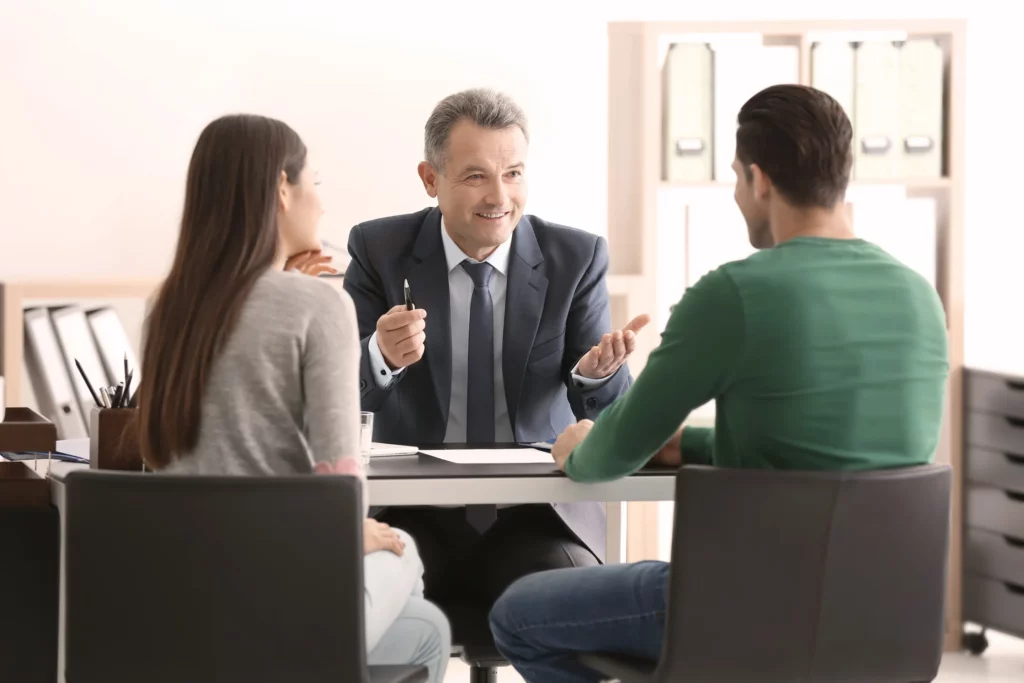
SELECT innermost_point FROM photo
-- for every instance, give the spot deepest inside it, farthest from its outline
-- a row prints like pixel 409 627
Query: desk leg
pixel 614 551
pixel 57 498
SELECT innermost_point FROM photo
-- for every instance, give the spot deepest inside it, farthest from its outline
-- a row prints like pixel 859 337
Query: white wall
pixel 101 103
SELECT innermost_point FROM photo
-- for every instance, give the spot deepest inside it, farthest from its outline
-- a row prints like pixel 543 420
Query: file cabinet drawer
pixel 994 556
pixel 995 394
pixel 999 604
pixel 997 432
pixel 1002 470
pixel 995 510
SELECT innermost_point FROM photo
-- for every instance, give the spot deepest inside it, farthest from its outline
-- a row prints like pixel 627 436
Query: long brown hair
pixel 229 238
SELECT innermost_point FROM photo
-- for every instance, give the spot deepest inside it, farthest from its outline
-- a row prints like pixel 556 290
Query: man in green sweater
pixel 821 352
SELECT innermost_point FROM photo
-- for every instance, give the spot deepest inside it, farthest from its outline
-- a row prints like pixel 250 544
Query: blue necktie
pixel 480 389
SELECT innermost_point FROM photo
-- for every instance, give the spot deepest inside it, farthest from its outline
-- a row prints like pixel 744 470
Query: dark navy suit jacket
pixel 556 309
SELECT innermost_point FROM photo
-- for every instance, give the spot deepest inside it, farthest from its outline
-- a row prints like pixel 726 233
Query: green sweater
pixel 820 354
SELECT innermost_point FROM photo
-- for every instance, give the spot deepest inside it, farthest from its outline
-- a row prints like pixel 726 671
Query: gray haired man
pixel 510 342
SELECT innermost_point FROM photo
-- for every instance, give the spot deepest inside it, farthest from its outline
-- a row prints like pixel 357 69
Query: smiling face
pixel 482 189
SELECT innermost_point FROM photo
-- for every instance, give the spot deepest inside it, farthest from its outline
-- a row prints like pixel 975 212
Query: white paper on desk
pixel 383 450
pixel 508 456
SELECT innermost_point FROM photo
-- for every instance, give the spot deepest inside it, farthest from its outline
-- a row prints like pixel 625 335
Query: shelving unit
pixel 636 188
pixel 15 297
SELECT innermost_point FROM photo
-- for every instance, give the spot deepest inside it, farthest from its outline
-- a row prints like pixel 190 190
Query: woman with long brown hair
pixel 253 369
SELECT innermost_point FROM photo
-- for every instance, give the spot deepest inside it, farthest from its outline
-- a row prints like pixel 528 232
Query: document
pixel 379 450
pixel 508 456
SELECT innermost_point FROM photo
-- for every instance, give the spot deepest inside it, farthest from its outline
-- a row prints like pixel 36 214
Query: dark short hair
pixel 801 138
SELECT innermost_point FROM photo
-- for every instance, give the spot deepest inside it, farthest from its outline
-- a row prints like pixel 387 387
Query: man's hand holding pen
pixel 400 336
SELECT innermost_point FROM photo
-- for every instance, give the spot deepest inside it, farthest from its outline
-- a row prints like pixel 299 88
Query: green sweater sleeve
pixel 698 446
pixel 699 352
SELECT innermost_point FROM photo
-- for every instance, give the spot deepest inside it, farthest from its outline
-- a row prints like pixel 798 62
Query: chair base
pixel 483 674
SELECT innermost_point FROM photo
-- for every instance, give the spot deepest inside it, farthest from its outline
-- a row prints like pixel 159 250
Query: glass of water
pixel 365 436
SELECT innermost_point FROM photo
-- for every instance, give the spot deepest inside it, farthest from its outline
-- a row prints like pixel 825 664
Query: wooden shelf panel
pixel 81 289
pixel 798 28
pixel 909 183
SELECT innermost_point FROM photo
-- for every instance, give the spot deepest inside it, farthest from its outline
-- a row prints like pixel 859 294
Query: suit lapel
pixel 428 280
pixel 524 304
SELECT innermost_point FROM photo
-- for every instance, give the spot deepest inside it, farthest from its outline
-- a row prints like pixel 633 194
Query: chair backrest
pixel 188 578
pixel 807 576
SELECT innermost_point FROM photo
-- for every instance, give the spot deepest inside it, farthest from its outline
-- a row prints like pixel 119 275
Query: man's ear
pixel 429 177
pixel 760 182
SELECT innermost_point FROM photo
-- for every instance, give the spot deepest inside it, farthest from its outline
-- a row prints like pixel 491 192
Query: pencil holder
pixel 25 430
pixel 114 439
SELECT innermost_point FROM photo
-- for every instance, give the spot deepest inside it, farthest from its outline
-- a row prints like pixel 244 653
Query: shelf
pixel 799 28
pixel 81 289
pixel 910 183
pixel 17 295
pixel 622 285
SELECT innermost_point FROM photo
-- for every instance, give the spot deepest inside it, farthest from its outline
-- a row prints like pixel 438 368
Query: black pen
pixel 118 392
pixel 127 387
pixel 88 384
pixel 409 305
pixel 125 376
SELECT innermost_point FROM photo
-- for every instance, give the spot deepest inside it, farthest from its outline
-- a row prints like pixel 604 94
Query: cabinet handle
pixel 1015 422
pixel 1012 495
pixel 1015 542
pixel 1014 587
pixel 1014 385
pixel 1014 459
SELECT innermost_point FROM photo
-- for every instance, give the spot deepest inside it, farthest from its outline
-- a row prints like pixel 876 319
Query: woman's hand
pixel 379 536
pixel 311 263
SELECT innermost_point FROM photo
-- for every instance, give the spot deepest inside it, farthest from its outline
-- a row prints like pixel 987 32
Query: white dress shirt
pixel 460 291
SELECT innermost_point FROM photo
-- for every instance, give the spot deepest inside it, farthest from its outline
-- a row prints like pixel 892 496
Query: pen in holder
pixel 114 440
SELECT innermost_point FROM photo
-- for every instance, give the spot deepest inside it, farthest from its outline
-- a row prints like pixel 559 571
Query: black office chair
pixel 798 576
pixel 216 579
pixel 473 642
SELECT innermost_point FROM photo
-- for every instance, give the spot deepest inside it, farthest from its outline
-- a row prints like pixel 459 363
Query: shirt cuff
pixel 382 374
pixel 585 383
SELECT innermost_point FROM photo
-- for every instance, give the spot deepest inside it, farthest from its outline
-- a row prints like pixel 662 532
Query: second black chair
pixel 810 577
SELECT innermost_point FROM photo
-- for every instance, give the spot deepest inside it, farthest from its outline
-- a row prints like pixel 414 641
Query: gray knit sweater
pixel 283 394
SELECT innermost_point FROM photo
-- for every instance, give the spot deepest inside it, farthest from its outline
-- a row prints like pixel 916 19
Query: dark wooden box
pixel 25 430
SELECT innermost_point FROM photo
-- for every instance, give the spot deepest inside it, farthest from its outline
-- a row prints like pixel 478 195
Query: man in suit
pixel 510 342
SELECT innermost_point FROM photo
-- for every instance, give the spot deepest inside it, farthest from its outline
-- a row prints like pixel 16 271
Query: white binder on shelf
pixel 743 68
pixel 832 72
pixel 922 82
pixel 48 373
pixel 76 343
pixel 688 113
pixel 876 121
pixel 113 344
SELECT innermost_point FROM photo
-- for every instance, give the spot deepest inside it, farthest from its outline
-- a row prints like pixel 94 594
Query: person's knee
pixel 508 608
pixel 410 542
pixel 436 632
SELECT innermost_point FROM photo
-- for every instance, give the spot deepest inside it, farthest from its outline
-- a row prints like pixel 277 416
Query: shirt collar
pixel 455 256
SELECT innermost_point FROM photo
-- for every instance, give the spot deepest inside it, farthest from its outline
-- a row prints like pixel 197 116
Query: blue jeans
pixel 544 620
